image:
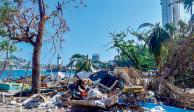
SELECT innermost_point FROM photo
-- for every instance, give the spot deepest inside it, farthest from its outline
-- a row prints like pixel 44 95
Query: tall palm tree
pixel 156 37
pixel 188 5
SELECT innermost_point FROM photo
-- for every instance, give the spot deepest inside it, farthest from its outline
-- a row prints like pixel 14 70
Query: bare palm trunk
pixel 191 20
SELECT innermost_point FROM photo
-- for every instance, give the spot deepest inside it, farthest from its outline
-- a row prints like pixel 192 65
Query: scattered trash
pixel 33 101
pixel 99 104
pixel 134 89
pixel 61 75
pixel 95 94
pixel 53 102
pixel 13 102
pixel 121 91
pixel 157 109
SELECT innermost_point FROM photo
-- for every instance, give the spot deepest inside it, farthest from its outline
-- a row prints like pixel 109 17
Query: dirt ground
pixel 16 108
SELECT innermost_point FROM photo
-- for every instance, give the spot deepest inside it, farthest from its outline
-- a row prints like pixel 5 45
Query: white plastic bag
pixel 95 93
pixel 157 109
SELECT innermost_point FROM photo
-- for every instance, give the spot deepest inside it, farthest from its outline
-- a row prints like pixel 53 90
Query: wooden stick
pixel 24 79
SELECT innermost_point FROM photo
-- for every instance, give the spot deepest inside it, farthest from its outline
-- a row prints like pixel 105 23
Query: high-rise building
pixel 95 57
pixel 170 12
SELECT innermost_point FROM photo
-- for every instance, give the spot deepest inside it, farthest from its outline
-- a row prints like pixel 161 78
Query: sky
pixel 90 27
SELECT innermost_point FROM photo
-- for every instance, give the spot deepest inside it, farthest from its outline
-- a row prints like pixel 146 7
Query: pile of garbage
pixel 101 91
pixel 123 90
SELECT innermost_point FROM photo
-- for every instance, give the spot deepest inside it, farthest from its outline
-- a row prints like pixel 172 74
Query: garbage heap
pixel 101 91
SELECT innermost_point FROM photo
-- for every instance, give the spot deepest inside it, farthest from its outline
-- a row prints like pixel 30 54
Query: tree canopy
pixel 28 21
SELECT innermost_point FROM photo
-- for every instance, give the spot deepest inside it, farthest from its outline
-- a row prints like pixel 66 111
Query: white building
pixel 171 12
pixel 58 60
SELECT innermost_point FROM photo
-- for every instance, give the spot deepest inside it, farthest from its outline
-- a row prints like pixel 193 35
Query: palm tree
pixel 156 37
pixel 81 62
pixel 188 5
pixel 171 29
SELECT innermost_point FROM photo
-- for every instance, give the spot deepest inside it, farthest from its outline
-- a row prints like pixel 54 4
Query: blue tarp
pixel 167 108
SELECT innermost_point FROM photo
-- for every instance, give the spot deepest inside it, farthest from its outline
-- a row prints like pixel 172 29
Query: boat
pixel 13 87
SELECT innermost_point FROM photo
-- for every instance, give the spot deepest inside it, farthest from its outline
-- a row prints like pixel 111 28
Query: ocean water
pixel 17 74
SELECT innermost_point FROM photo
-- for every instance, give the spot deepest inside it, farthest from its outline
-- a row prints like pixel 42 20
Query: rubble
pixel 99 104
pixel 122 91
pixel 95 94
pixel 33 101
pixel 100 91
pixel 54 102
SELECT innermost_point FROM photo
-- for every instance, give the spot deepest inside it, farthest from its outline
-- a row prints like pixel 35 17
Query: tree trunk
pixel 36 78
pixel 36 59
pixel 36 69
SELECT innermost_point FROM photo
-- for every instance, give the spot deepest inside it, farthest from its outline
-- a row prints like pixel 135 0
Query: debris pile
pixel 100 90
pixel 123 90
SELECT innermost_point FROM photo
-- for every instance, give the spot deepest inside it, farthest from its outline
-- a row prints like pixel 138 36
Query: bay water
pixel 17 74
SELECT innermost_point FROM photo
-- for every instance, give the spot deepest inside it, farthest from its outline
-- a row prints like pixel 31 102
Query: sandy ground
pixel 7 106
pixel 17 108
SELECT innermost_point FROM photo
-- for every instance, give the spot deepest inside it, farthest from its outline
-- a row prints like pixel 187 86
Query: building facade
pixel 95 57
pixel 170 12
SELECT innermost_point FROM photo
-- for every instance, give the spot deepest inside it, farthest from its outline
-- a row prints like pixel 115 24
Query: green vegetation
pixel 188 5
pixel 80 62
pixel 7 46
pixel 131 53
pixel 153 46
pixel 156 38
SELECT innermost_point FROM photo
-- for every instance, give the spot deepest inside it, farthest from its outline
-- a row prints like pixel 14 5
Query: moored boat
pixel 13 87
